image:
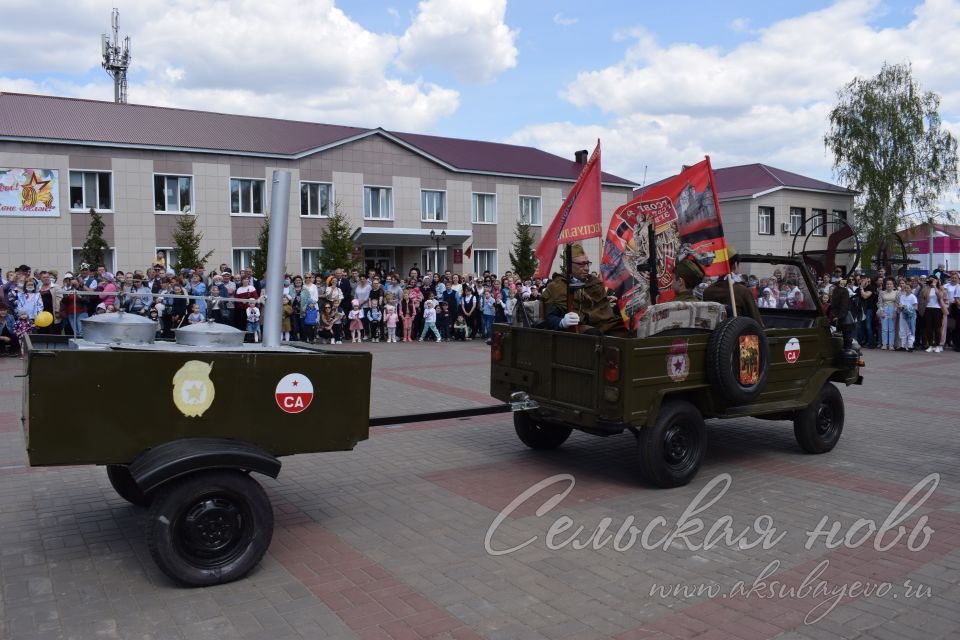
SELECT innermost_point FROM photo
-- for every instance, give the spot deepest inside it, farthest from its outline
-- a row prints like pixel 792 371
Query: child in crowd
pixel 375 321
pixel 9 344
pixel 337 325
pixel 286 312
pixel 195 316
pixel 429 320
pixel 22 327
pixel 356 321
pixel 443 321
pixel 253 320
pixel 390 317
pixel 460 329
pixel 153 315
pixel 311 318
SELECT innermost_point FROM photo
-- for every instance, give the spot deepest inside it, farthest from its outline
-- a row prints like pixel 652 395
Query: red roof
pixel 747 180
pixel 59 119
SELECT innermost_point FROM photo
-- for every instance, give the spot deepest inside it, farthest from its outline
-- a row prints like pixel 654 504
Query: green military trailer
pixel 181 426
pixel 689 362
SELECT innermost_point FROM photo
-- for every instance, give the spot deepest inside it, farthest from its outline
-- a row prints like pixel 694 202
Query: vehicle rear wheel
pixel 537 435
pixel 210 527
pixel 672 449
pixel 125 486
pixel 738 359
pixel 818 427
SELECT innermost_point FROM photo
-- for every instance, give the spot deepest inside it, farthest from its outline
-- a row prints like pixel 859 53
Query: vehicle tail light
pixel 496 347
pixel 611 366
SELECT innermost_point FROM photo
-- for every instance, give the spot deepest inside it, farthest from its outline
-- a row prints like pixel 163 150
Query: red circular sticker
pixel 791 350
pixel 294 393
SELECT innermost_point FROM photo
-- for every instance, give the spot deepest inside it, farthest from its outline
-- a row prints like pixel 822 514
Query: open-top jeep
pixel 690 361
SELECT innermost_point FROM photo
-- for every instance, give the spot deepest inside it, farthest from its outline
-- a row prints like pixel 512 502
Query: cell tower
pixel 116 60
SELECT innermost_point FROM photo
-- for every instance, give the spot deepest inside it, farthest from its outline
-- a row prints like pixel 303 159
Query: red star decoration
pixel 296 382
pixel 678 365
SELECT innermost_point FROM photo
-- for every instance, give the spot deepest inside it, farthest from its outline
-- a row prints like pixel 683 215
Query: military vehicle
pixel 661 385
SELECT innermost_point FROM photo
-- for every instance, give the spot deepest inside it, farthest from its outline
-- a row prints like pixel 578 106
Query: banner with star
pixel 29 193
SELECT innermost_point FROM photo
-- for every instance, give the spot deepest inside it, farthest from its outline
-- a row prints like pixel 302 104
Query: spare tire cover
pixel 738 359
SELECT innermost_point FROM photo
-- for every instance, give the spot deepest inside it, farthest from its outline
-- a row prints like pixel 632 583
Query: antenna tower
pixel 116 59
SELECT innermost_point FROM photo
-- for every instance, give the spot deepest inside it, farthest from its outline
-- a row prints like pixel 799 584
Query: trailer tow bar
pixel 440 415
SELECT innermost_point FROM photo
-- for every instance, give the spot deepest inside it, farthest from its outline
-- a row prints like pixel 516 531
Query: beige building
pixel 142 167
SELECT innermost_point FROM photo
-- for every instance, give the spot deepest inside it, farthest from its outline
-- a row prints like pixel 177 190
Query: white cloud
pixel 740 24
pixel 468 39
pixel 302 59
pixel 563 21
pixel 766 100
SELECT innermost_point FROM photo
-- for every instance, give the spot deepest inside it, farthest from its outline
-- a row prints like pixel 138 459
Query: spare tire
pixel 738 359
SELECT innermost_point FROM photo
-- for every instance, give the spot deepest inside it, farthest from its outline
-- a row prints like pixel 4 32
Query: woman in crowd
pixel 299 299
pixel 51 296
pixel 930 306
pixel 887 310
pixel 907 308
pixel 109 290
pixel 468 309
pixel 407 312
pixel 245 291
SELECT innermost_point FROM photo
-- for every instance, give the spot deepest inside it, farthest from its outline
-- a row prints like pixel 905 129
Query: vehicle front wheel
pixel 125 486
pixel 818 427
pixel 672 449
pixel 210 527
pixel 537 435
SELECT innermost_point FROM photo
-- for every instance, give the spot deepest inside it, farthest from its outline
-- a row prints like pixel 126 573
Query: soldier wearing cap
pixel 687 276
pixel 719 291
pixel 592 305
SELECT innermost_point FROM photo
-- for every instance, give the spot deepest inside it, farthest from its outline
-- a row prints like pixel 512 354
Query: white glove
pixel 569 320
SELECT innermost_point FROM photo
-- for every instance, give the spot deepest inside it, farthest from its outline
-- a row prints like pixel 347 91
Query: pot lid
pixel 119 318
pixel 210 328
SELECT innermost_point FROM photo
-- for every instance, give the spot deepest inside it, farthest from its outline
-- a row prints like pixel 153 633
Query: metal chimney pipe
pixel 276 257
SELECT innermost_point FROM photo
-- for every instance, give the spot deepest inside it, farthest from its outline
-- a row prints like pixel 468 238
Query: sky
pixel 660 84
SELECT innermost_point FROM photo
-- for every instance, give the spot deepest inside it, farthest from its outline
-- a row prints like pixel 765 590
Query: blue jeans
pixel 429 326
pixel 488 325
pixel 865 329
pixel 888 325
pixel 75 323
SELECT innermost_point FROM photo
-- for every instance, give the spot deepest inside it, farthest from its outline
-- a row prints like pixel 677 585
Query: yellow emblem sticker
pixel 192 388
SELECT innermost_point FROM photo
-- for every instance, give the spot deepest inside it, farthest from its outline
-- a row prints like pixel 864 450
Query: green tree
pixel 94 247
pixel 522 257
pixel 337 242
pixel 186 242
pixel 888 143
pixel 259 262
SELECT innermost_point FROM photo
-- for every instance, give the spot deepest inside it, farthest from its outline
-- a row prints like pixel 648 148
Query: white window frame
pixel 839 214
pixel 474 208
pixel 75 261
pixel 440 216
pixel 113 190
pixel 797 228
pixel 539 201
pixel 172 175
pixel 433 260
pixel 818 222
pixel 238 267
pixel 303 260
pixel 389 191
pixel 476 261
pixel 263 198
pixel 330 199
pixel 770 217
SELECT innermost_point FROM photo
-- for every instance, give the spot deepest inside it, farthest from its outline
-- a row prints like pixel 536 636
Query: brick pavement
pixel 388 541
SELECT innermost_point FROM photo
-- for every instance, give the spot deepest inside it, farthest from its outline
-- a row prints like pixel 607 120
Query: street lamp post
pixel 437 238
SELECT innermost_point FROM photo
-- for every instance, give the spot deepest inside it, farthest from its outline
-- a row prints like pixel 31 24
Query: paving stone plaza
pixel 454 529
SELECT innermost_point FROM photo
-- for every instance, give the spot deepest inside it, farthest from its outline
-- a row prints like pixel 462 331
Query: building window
pixel 172 193
pixel 110 258
pixel 315 199
pixel 839 217
pixel 484 260
pixel 377 203
pixel 433 260
pixel 170 256
pixel 819 222
pixel 433 206
pixel 246 196
pixel 530 211
pixel 91 190
pixel 310 260
pixel 797 214
pixel 484 208
pixel 765 221
pixel 243 258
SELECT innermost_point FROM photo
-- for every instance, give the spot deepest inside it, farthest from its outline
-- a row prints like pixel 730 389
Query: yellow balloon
pixel 43 319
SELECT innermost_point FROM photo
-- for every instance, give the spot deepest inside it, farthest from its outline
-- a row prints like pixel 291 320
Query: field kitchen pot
pixel 119 328
pixel 210 334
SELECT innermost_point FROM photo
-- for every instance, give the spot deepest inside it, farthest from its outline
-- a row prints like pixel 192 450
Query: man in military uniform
pixel 592 305
pixel 686 277
pixel 719 291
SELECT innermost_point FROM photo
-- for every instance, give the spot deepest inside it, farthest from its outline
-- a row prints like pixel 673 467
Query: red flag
pixel 469 251
pixel 579 216
pixel 685 214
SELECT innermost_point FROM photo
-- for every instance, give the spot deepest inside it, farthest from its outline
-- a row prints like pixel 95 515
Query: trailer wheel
pixel 537 435
pixel 123 483
pixel 817 428
pixel 734 338
pixel 210 527
pixel 672 449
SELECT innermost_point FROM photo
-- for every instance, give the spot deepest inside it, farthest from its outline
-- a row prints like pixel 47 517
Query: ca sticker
pixel 791 350
pixel 192 388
